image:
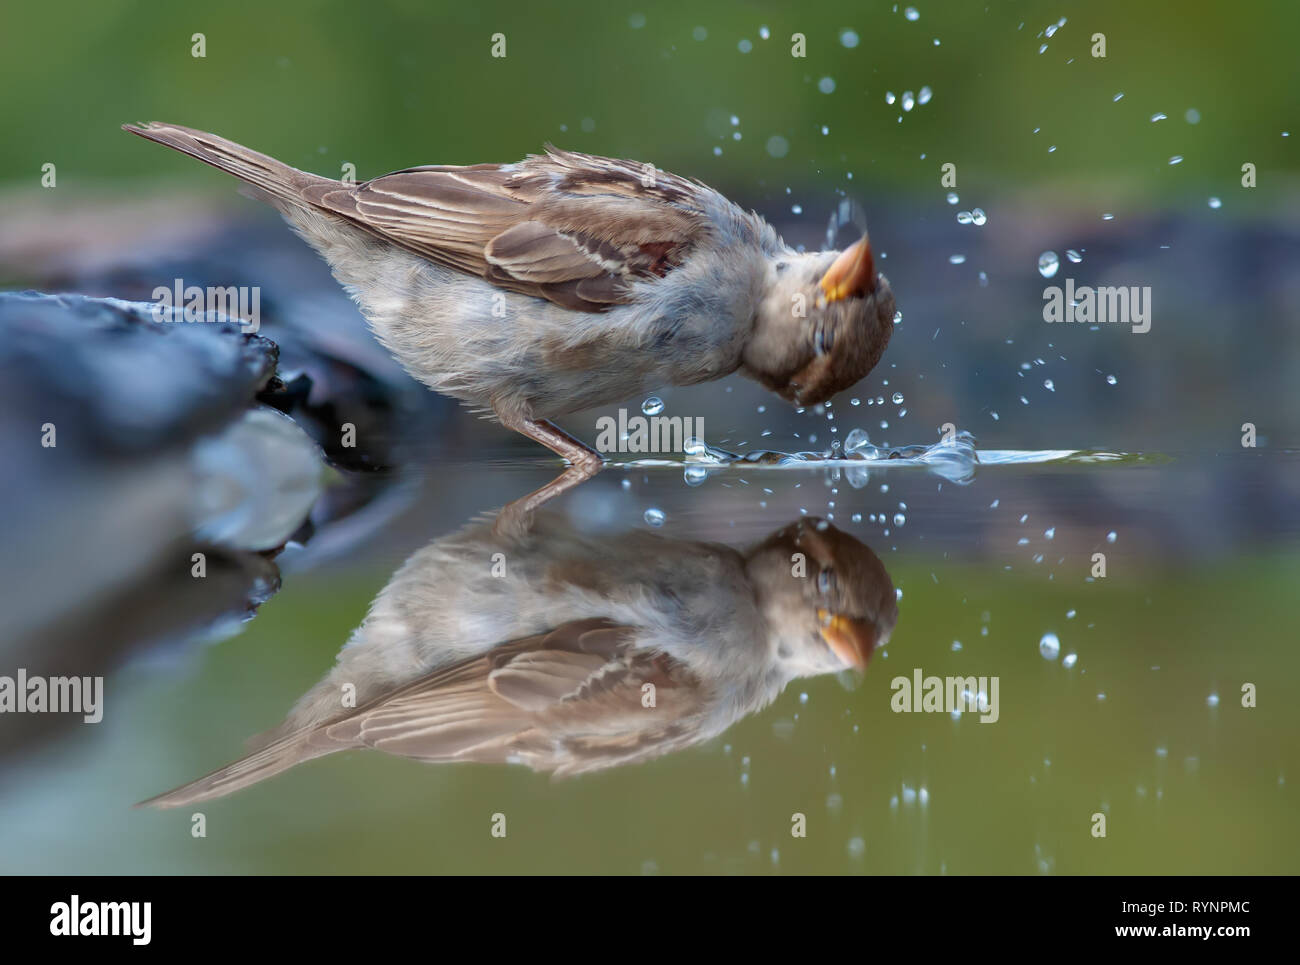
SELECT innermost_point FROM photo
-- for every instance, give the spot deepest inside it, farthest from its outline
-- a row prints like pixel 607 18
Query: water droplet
pixel 923 97
pixel 889 97
pixel 1216 203
pixel 1118 97
pixel 764 32
pixel 796 208
pixel 1048 263
pixel 1176 159
pixel 1049 646
pixel 911 13
pixel 654 517
pixel 1193 116
pixel 1111 380
pixel 909 100
pixel 956 259
pixel 700 33
pixel 1074 256
pixel 777 146
pixel 1212 700
pixel 898 398
pixel 826 85
pixel 1069 660
pixel 848 38
pixel 899 519
pixel 695 475
pixel 857 847
pixel 898 318
pixel 978 216
pixel 1111 536
pixel 1049 385
pixel 653 405
pixel 855 440
pixel 1158 116
pixel 964 217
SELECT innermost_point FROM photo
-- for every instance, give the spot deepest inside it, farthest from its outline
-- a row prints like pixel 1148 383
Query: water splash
pixel 848 223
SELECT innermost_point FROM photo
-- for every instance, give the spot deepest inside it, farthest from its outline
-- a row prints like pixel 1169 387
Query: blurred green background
pixel 389 85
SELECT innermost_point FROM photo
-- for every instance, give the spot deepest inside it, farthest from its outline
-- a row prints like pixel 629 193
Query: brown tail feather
pixel 273 759
pixel 266 173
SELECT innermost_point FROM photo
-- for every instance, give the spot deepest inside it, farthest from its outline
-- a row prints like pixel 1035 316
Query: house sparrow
pixel 568 281
pixel 570 652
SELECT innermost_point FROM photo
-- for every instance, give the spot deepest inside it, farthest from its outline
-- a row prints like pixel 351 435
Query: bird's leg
pixel 578 454
pixel 584 463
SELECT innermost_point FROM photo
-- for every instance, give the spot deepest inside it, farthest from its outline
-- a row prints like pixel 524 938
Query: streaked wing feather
pixel 572 228
pixel 569 700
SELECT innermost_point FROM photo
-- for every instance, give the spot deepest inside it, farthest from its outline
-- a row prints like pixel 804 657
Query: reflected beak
pixel 853 273
pixel 850 639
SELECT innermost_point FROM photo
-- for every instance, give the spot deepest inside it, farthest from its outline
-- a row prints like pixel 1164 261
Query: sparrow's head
pixel 828 599
pixel 822 323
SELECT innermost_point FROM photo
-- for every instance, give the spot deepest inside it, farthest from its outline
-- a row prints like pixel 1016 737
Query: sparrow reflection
pixel 571 652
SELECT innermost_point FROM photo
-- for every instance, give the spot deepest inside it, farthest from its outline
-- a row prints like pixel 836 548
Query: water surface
pixel 1135 713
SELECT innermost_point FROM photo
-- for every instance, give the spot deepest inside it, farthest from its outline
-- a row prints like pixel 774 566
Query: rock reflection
pixel 570 652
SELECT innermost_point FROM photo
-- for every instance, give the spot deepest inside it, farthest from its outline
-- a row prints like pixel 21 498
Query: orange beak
pixel 853 273
pixel 850 639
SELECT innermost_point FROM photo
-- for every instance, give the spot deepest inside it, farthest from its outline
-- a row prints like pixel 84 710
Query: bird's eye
pixel 826 582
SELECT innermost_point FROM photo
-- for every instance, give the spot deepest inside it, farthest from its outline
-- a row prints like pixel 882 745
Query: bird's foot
pixel 515 520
